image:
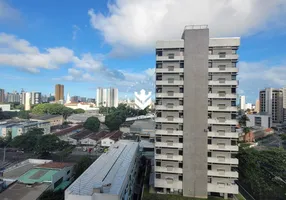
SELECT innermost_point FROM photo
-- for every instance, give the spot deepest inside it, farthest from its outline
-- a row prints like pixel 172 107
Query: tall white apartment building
pixel 107 97
pixel 271 103
pixel 27 104
pixel 196 138
pixel 242 103
pixel 36 98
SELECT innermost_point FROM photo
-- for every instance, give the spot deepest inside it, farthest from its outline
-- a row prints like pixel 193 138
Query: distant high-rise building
pixel 284 104
pixel 22 97
pixel 257 106
pixel 90 100
pixel 242 103
pixel 83 99
pixel 271 102
pixel 44 99
pixel 2 95
pixel 27 101
pixel 75 98
pixel 196 138
pixel 59 92
pixel 107 97
pixel 36 98
pixel 13 97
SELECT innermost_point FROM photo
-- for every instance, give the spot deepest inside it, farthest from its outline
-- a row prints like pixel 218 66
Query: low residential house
pixel 81 135
pixel 93 139
pixel 55 120
pixel 255 135
pixel 145 129
pixel 49 176
pixel 111 138
pixel 65 134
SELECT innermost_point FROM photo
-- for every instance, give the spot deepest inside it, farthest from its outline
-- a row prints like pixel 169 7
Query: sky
pixel 111 43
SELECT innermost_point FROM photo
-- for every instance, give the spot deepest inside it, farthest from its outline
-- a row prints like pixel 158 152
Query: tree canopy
pixel 242 120
pixel 82 165
pixel 263 172
pixel 35 140
pixel 116 116
pixel 54 109
pixel 24 114
pixel 79 111
pixel 92 123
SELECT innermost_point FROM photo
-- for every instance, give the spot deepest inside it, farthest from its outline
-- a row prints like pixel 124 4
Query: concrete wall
pixel 106 142
pixel 195 112
pixel 62 173
pixel 264 121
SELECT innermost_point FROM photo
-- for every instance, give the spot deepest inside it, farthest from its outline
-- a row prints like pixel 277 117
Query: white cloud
pixel 137 24
pixel 7 12
pixel 254 76
pixel 75 30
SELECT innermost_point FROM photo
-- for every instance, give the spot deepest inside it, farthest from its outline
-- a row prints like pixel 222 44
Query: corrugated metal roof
pixel 110 169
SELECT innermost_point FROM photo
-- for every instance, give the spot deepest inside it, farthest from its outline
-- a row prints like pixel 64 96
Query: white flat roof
pixel 110 168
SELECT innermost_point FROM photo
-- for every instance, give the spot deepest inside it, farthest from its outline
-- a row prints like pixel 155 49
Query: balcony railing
pixel 169 157
pixel 223 188
pixel 223 108
pixel 170 95
pixel 169 120
pixel 169 132
pixel 169 82
pixel 169 183
pixel 164 107
pixel 169 169
pixel 166 70
pixel 167 58
pixel 223 82
pixel 223 173
pixel 229 69
pixel 222 147
pixel 233 161
pixel 221 95
pixel 165 144
pixel 226 57
pixel 223 134
pixel 223 121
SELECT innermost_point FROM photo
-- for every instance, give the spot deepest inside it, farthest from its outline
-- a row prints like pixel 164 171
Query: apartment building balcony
pixel 223 188
pixel 168 169
pixel 169 70
pixel 168 157
pixel 169 144
pixel 223 173
pixel 170 82
pixel 229 69
pixel 222 147
pixel 222 160
pixel 169 120
pixel 223 121
pixel 222 108
pixel 223 134
pixel 170 95
pixel 168 58
pixel 225 57
pixel 221 95
pixel 168 107
pixel 223 82
pixel 168 132
pixel 169 183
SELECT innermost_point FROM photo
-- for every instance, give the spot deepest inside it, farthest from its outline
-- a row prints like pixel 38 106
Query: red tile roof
pixel 68 130
pixel 115 135
pixel 97 136
pixel 55 165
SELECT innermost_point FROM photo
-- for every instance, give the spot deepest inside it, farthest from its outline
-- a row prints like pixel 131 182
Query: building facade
pixel 107 97
pixel 13 97
pixel 271 103
pixel 27 101
pixel 257 120
pixel 284 104
pixel 242 102
pixel 257 106
pixel 2 95
pixel 196 138
pixel 36 98
pixel 59 92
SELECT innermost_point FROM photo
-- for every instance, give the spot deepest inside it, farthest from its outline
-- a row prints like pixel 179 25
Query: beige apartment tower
pixel 59 92
pixel 196 138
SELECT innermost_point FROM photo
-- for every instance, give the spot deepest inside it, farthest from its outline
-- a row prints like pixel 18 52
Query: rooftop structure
pixel 69 130
pixel 111 176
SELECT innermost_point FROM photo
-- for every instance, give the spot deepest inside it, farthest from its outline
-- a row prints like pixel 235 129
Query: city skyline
pixel 84 53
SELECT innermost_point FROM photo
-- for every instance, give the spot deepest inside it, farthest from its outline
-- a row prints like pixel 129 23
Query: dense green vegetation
pixel 82 165
pixel 92 123
pixel 242 120
pixel 53 195
pixel 116 116
pixel 78 111
pixel 35 140
pixel 262 173
pixel 54 109
pixel 24 114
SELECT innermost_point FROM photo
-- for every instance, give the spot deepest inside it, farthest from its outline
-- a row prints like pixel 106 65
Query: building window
pixel 158 176
pixel 209 180
pixel 159 52
pixel 233 116
pixel 233 129
pixel 209 141
pixel 171 56
pixel 222 54
pixel 181 65
pixel 233 77
pixel 234 51
pixel 181 102
pixel 209 167
pixel 233 103
pixel 222 67
pixel 233 142
pixel 159 114
pixel 180 152
pixel 181 90
pixel 180 178
pixel 233 64
pixel 233 90
pixel 158 139
pixel 158 65
pixel 159 77
pixel 209 154
pixel 158 163
pixel 180 165
pixel 158 151
pixel 180 140
pixel 210 65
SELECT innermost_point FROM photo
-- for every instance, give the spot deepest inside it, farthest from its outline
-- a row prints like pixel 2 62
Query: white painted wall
pixel 106 142
pixel 88 141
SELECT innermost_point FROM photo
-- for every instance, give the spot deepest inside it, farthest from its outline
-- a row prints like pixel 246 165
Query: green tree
pixel 82 165
pixel 67 112
pixel 78 111
pixel 246 130
pixel 53 195
pixel 263 172
pixel 48 143
pixel 242 120
pixel 19 107
pixel 24 114
pixel 92 123
pixel 114 120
